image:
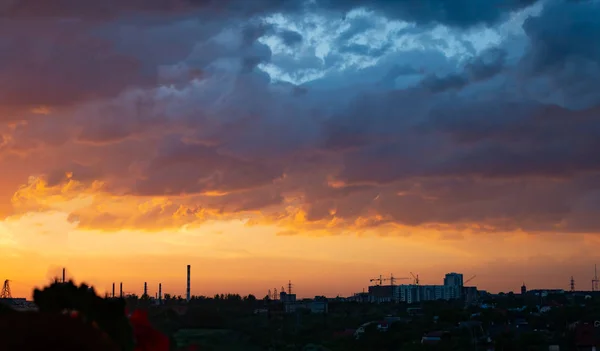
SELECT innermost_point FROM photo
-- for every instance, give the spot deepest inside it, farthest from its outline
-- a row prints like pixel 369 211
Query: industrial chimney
pixel 121 290
pixel 64 276
pixel 159 292
pixel 189 268
pixel 145 289
pixel 113 291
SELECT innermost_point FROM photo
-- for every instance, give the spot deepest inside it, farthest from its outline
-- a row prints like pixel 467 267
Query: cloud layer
pixel 330 116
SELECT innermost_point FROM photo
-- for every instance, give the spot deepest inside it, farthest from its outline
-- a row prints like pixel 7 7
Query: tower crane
pixel 378 281
pixel 468 280
pixel 415 277
pixel 393 279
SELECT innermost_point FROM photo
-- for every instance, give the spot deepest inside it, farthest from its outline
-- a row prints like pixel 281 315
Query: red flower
pixel 146 337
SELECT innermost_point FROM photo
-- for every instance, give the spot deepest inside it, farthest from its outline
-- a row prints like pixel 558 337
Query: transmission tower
pixel 6 290
pixel 290 287
pixel 572 284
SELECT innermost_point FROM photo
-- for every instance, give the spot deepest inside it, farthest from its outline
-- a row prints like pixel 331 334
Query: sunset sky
pixel 324 142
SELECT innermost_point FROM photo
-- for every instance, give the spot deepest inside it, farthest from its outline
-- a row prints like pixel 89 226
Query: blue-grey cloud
pixel 461 13
pixel 416 127
pixel 290 38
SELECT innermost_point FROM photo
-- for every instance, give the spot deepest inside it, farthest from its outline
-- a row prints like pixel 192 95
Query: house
pixel 435 337
pixel 314 306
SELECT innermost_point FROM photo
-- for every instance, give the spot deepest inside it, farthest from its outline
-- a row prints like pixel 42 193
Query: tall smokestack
pixel 121 290
pixel 159 292
pixel 113 291
pixel 64 276
pixel 145 289
pixel 189 268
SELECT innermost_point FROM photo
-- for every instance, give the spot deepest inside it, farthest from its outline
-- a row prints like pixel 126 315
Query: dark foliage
pixel 108 314
pixel 50 331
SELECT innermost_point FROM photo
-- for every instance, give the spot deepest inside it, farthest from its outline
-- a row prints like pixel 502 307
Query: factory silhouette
pixel 380 290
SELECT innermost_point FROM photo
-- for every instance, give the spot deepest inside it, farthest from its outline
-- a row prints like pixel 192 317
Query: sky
pixel 324 142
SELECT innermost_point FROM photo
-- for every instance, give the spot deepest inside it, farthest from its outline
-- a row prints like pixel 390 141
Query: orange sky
pixel 325 145
pixel 237 257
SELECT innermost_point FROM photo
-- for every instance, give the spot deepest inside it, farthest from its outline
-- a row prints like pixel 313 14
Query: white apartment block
pixel 452 289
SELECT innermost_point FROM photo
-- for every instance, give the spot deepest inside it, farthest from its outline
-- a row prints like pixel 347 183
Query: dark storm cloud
pixel 77 172
pixel 459 13
pixel 489 145
pixel 73 65
pixel 528 164
pixel 181 168
pixel 489 138
pixel 290 37
pixel 68 49
pixel 564 31
pixel 77 9
pixel 485 66
pixel 565 50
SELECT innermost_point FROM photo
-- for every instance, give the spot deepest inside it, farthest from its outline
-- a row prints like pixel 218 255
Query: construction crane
pixel 415 277
pixel 378 281
pixel 468 280
pixel 5 294
pixel 393 279
pixel 595 280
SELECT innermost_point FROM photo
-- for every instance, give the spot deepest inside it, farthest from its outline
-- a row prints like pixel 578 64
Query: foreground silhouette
pixel 71 317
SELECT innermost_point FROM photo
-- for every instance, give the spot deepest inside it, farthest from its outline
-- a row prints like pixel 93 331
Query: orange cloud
pixel 41 110
pixel 91 205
